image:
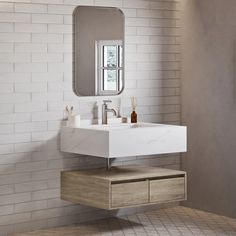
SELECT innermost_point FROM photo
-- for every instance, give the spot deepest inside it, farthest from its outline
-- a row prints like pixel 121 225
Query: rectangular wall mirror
pixel 99 51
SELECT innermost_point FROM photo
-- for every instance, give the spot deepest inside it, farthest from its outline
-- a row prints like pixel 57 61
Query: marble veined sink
pixel 124 139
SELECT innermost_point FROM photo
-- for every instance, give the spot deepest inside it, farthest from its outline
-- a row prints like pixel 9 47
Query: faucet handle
pixel 106 101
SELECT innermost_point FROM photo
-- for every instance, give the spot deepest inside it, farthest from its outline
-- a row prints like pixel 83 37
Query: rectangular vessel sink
pixel 122 140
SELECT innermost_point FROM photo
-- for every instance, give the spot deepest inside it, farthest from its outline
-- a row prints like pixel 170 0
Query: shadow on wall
pixel 33 176
pixel 30 184
pixel 162 72
pixel 234 68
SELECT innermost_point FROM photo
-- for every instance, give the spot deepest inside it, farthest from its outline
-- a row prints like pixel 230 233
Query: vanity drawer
pixel 127 194
pixel 165 190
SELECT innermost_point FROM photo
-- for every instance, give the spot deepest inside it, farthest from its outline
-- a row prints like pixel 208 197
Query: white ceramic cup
pixel 74 121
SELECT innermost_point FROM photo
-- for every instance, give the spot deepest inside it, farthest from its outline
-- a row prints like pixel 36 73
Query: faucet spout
pixel 113 111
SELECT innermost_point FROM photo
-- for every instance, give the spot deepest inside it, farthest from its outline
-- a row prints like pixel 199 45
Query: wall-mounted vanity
pixel 117 187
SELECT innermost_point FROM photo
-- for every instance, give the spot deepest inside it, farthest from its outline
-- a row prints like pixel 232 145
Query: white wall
pixel 35 86
pixel 208 103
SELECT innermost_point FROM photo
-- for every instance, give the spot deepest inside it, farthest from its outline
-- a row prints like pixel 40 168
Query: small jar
pixel 133 117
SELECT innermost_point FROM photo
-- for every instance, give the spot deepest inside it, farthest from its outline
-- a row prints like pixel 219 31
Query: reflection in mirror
pixel 109 61
pixel 99 51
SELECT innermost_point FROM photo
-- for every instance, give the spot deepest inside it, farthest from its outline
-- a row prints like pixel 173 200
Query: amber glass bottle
pixel 133 117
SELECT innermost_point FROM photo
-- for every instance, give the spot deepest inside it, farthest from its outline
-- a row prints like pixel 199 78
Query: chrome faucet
pixel 105 110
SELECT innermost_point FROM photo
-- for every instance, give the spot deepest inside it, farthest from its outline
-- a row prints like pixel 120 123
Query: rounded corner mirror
pixel 99 51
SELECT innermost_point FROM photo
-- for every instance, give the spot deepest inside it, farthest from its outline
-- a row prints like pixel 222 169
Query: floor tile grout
pixel 176 221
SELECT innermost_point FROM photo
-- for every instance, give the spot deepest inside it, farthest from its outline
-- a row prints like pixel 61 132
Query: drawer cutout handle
pixel 148 179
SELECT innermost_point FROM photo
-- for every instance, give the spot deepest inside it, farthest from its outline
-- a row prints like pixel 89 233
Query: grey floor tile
pixel 177 221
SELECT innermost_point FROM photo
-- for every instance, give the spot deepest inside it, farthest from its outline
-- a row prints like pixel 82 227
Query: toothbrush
pixel 69 111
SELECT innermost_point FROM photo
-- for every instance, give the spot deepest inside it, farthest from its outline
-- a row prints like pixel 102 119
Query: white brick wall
pixel 36 85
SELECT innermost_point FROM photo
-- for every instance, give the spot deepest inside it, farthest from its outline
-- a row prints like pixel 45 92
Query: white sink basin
pixel 121 140
pixel 121 126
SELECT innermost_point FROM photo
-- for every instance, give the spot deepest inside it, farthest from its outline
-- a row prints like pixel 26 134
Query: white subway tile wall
pixel 36 85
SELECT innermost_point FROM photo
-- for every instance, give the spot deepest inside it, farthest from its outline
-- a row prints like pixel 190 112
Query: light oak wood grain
pixel 127 173
pixel 165 190
pixel 123 186
pixel 128 194
pixel 84 190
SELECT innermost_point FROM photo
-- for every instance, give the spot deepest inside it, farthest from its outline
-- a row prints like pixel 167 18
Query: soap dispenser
pixel 134 117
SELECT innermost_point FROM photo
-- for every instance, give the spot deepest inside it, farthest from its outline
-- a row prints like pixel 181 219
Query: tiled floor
pixel 172 221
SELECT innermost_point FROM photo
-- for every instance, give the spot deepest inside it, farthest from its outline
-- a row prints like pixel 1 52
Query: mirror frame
pixel 74 53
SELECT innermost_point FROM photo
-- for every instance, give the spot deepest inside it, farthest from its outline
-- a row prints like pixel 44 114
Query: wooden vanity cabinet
pixel 123 186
